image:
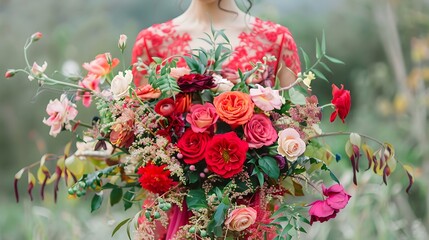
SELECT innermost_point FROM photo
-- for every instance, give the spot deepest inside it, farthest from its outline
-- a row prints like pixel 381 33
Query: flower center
pixel 225 156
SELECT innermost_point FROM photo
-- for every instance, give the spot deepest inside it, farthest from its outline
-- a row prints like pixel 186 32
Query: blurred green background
pixel 385 45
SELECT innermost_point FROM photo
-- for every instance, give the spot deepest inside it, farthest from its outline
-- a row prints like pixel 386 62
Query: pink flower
pixel 241 218
pixel 121 83
pixel 266 99
pixel 10 73
pixel 259 131
pixel 122 43
pixel 60 112
pixel 90 82
pixel 179 72
pixel 290 143
pixel 323 210
pixel 36 36
pixel 37 71
pixel 101 65
pixel 201 117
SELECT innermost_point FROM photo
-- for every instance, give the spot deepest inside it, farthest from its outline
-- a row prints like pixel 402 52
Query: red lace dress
pixel 263 39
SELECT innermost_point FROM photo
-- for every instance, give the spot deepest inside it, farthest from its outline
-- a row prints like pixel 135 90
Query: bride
pixel 251 38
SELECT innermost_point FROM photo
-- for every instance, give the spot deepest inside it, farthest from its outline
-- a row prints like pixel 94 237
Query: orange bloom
pixel 234 108
pixel 100 66
pixel 183 102
pixel 147 92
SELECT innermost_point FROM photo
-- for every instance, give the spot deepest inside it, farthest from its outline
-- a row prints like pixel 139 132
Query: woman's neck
pixel 207 13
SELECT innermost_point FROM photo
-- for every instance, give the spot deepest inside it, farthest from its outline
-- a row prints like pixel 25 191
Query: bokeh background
pixel 385 45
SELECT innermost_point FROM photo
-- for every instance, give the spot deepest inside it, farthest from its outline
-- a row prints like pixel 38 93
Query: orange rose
pixel 234 108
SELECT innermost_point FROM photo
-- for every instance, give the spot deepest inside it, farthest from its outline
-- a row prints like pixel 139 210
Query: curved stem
pixel 344 133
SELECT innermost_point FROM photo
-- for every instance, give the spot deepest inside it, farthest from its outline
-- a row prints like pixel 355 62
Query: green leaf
pixel 334 60
pixel 286 229
pixel 318 49
pixel 196 199
pixel 325 67
pixel 219 216
pixel 319 74
pixel 260 176
pixel 323 43
pixel 270 166
pixel 120 225
pixel 128 198
pixel 96 202
pixel 115 196
pixel 306 58
pixel 157 60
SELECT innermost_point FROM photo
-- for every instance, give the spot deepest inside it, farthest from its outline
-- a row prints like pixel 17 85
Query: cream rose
pixel 121 84
pixel 241 218
pixel 290 143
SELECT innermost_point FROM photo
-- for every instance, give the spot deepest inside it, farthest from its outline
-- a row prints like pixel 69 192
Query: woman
pixel 251 39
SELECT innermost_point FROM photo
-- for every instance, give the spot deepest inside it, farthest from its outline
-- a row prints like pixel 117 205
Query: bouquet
pixel 200 156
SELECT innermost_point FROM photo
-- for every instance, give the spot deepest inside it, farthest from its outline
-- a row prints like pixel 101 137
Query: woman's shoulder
pixel 270 30
pixel 156 31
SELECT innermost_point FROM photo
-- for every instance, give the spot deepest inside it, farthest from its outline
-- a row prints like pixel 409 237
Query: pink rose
pixel 323 210
pixel 241 218
pixel 266 99
pixel 290 143
pixel 179 72
pixel 201 117
pixel 60 112
pixel 259 131
pixel 122 42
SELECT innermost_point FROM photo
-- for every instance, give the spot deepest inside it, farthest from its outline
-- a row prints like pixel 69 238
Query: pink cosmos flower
pixel 201 117
pixel 266 99
pixel 37 71
pixel 60 112
pixel 323 210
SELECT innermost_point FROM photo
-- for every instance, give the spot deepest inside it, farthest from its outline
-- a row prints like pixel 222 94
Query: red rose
pixel 342 102
pixel 155 178
pixel 195 82
pixel 225 154
pixel 122 134
pixel 193 145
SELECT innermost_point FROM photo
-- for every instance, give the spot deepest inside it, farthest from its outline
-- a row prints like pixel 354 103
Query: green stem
pixel 327 105
pixel 81 124
pixel 344 133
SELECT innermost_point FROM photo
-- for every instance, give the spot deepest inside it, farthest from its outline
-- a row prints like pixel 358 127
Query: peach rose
pixel 147 92
pixel 179 72
pixel 290 143
pixel 201 117
pixel 234 108
pixel 241 218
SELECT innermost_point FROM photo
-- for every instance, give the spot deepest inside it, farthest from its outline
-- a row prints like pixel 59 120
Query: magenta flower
pixel 60 112
pixel 323 210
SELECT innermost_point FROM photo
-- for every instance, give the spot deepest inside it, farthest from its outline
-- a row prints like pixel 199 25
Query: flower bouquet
pixel 201 157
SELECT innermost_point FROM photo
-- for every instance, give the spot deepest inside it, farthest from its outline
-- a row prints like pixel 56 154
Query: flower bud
pixel 10 73
pixel 109 58
pixel 156 215
pixel 203 233
pixel 36 36
pixel 192 168
pixel 192 230
pixel 122 43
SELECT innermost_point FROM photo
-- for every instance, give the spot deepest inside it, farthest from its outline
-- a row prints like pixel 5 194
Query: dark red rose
pixel 226 154
pixel 195 82
pixel 342 102
pixel 193 145
pixel 155 178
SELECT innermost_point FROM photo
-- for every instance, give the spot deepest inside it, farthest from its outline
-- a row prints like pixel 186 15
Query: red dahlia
pixel 226 154
pixel 155 178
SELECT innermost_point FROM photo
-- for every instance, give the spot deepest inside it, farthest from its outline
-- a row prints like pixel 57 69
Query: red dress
pixel 264 38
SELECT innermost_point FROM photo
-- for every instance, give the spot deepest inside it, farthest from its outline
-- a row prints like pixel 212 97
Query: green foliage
pixel 196 199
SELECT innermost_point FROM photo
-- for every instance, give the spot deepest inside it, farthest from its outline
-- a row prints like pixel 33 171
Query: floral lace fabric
pixel 265 39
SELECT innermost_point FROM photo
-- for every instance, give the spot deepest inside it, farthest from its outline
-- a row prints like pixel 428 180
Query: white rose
pixel 222 84
pixel 290 143
pixel 121 84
